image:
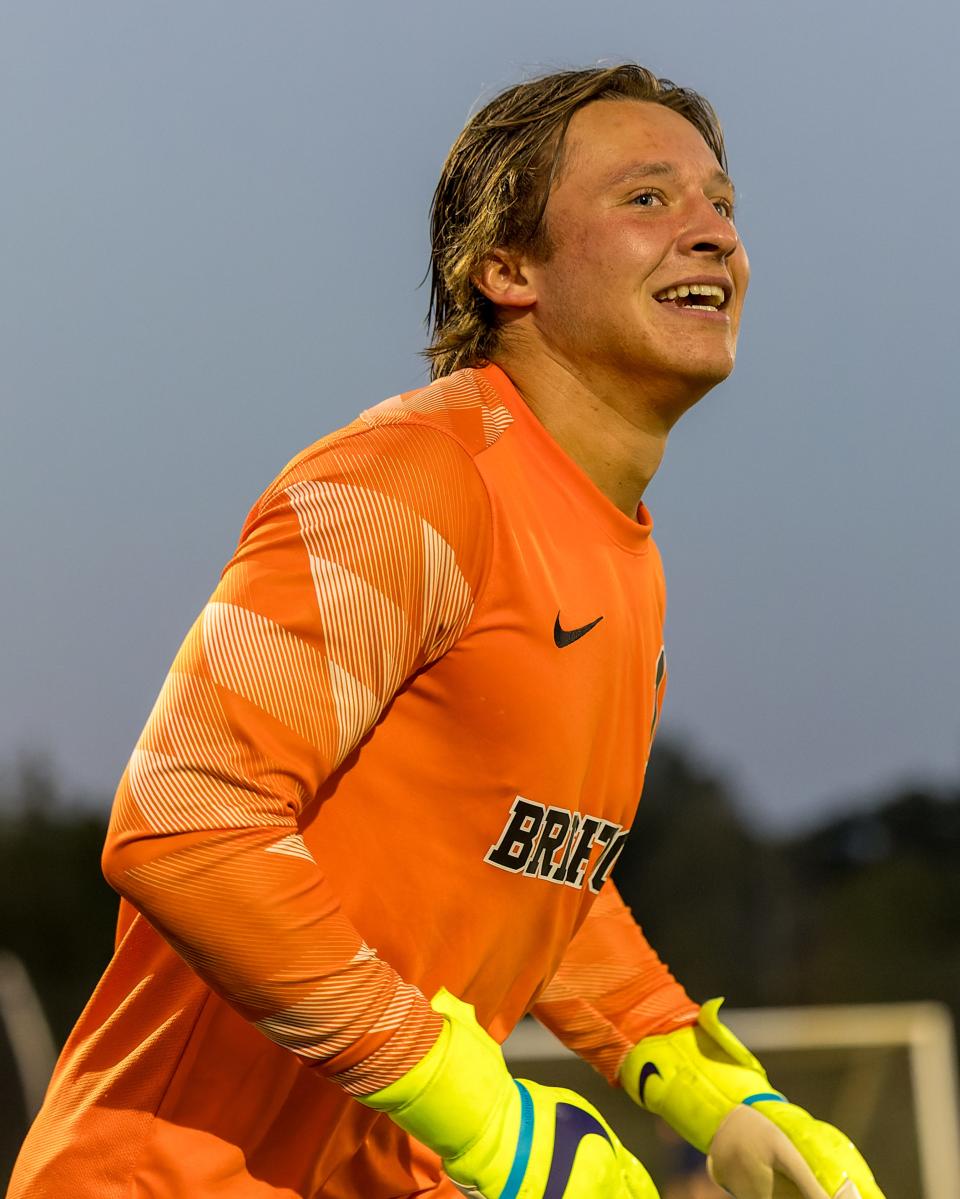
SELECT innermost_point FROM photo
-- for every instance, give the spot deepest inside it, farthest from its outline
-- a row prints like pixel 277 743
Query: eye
pixel 725 208
pixel 647 199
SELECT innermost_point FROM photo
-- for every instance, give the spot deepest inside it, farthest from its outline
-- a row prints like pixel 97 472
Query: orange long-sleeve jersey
pixel 400 748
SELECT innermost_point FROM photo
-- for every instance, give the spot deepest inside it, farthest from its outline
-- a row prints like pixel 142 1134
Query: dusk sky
pixel 214 226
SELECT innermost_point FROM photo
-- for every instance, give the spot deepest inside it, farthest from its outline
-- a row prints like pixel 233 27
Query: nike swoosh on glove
pixel 711 1090
pixel 506 1138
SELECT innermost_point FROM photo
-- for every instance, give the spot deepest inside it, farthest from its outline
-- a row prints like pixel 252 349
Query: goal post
pixel 29 1039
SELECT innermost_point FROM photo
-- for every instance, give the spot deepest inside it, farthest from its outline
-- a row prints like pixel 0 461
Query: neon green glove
pixel 712 1091
pixel 506 1139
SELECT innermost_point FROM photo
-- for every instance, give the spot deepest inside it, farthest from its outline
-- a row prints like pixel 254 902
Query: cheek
pixel 605 263
pixel 574 275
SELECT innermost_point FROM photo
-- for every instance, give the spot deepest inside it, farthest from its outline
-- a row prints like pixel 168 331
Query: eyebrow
pixel 644 170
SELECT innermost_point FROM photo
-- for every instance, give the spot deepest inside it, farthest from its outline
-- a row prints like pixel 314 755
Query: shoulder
pixel 464 405
pixel 417 443
pixel 401 477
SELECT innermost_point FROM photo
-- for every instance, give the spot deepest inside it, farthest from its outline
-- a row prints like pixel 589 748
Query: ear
pixel 503 280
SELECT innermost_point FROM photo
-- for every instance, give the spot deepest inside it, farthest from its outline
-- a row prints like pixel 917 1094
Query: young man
pixel 393 764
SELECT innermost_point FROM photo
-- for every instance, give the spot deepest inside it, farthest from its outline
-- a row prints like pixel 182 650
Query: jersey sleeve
pixel 611 989
pixel 358 567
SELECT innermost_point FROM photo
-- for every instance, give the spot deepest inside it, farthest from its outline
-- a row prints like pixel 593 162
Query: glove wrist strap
pixel 451 1094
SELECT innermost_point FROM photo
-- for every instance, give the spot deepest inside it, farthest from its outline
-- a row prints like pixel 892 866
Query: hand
pixel 506 1138
pixel 712 1091
pixel 753 1157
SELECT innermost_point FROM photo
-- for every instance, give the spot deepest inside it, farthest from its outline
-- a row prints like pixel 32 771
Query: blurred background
pixel 213 225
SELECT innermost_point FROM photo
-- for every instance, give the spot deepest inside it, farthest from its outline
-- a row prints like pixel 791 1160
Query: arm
pixel 357 568
pixel 611 989
pixel 615 1004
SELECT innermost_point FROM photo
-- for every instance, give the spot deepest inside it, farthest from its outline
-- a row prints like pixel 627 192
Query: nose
pixel 709 233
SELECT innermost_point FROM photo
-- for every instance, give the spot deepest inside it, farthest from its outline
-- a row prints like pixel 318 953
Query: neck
pixel 612 431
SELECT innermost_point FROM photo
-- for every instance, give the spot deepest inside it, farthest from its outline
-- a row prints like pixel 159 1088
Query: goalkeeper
pixel 372 817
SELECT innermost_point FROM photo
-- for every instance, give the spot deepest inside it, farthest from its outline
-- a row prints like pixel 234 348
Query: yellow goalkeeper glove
pixel 712 1091
pixel 501 1138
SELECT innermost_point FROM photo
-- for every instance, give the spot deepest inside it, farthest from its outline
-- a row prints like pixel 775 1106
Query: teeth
pixel 713 294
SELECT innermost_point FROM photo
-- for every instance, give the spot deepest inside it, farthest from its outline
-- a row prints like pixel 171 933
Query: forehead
pixel 611 134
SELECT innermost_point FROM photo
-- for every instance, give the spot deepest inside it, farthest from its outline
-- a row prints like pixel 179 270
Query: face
pixel 642 214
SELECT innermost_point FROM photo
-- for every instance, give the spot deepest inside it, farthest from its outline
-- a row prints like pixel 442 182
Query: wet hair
pixel 496 181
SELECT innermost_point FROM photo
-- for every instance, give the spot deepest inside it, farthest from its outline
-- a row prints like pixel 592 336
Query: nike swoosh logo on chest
pixel 563 637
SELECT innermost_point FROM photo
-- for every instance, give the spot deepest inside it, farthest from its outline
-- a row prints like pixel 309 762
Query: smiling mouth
pixel 701 298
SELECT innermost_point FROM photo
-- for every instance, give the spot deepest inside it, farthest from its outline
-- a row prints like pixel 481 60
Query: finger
pixel 849 1190
pixel 797 1182
pixel 754 1159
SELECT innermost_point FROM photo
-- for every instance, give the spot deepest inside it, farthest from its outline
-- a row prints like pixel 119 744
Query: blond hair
pixel 495 183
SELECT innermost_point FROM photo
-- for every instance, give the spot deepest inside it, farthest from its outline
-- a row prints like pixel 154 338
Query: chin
pixel 701 362
pixel 706 371
pixel 687 382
